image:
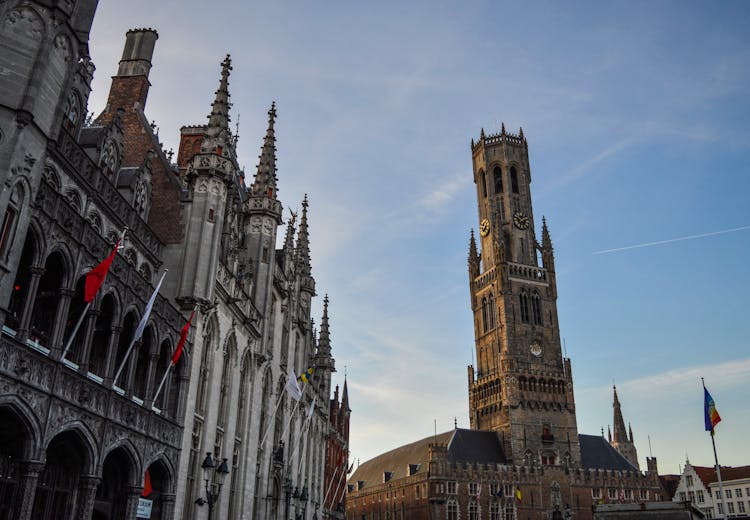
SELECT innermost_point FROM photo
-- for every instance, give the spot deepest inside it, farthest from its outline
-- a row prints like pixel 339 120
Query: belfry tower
pixel 522 386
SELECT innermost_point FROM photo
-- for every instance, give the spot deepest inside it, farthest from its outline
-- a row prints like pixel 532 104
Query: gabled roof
pixel 708 474
pixel 597 453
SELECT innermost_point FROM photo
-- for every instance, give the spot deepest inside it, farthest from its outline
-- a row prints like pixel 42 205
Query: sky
pixel 636 116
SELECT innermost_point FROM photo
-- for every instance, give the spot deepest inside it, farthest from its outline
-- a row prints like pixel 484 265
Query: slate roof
pixel 464 446
pixel 472 446
pixel 597 453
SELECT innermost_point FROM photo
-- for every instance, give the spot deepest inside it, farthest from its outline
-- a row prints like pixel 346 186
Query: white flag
pixel 292 387
pixel 312 409
pixel 147 312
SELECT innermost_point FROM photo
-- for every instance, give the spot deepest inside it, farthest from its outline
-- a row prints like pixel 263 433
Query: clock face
pixel 536 349
pixel 520 220
pixel 484 227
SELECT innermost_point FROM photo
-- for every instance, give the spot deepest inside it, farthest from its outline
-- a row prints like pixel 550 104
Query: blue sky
pixel 636 114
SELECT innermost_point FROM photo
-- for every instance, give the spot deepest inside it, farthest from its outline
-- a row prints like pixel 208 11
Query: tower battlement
pixel 498 138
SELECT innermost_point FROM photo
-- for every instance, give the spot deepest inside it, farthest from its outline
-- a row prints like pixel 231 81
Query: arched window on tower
pixel 524 304
pixel 497 173
pixel 513 179
pixel 491 311
pixel 484 315
pixel 483 180
pixel 536 308
pixel 72 115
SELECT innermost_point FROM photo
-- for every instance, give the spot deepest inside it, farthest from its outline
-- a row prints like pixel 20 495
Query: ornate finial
pixel 520 133
pixel 481 134
pixel 455 423
pixel 502 128
pixel 472 143
pixel 324 341
pixel 303 242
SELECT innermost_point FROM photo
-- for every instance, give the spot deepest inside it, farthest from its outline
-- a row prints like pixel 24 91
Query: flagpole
pixel 75 329
pixel 171 361
pixel 87 307
pixel 304 430
pixel 136 337
pixel 718 468
pixel 329 487
pixel 278 403
pixel 291 416
pixel 335 501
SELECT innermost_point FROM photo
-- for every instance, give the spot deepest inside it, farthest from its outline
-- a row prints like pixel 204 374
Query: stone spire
pixel 324 341
pixel 218 119
pixel 303 245
pixel 265 176
pixel 630 432
pixel 620 434
pixel 548 255
pixel 345 398
pixel 473 257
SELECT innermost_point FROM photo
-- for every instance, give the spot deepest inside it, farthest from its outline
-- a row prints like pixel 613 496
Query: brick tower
pixel 522 386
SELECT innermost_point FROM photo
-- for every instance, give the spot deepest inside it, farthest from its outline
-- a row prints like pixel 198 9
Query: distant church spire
pixel 473 256
pixel 620 433
pixel 265 175
pixel 218 119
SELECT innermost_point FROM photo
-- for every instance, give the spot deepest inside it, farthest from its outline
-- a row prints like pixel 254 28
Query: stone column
pixel 30 471
pixel 167 506
pixel 131 504
pixel 88 334
pixel 86 495
pixel 58 328
pixel 28 305
pixel 109 370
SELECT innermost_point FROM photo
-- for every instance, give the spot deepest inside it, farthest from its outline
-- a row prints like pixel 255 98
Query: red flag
pixel 183 339
pixel 95 277
pixel 147 489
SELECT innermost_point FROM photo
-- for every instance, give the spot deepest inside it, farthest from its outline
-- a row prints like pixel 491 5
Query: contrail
pixel 669 241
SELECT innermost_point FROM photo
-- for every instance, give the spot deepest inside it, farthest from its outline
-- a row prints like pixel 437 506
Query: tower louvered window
pixel 485 322
pixel 491 311
pixel 536 308
pixel 498 175
pixel 513 179
pixel 483 180
pixel 524 304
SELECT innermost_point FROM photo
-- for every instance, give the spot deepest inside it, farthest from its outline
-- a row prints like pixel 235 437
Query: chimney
pixel 138 51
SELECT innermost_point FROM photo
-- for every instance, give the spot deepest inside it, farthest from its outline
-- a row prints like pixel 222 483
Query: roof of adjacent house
pixel 597 453
pixel 708 474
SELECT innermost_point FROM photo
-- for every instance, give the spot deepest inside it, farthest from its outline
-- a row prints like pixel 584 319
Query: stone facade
pixel 523 457
pixel 81 420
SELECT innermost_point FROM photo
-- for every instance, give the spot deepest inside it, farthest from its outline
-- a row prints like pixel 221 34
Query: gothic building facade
pixel 523 456
pixel 85 426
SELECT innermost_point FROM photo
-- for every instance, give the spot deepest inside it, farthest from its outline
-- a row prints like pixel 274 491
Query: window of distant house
pixel 720 507
pixel 612 493
pixel 596 493
pixel 741 507
pixel 683 496
pixel 473 488
pixel 729 493
pixel 701 497
pixel 548 459
pixel 730 507
pixel 473 511
pixel 691 496
pixel 738 492
pixel 452 487
pixel 452 510
pixel 689 480
pixel 644 494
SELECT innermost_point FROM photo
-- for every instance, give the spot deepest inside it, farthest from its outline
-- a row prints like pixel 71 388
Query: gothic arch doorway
pixel 14 437
pixel 112 494
pixel 57 488
pixel 160 482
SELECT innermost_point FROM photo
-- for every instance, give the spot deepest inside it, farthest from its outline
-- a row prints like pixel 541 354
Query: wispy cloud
pixel 671 240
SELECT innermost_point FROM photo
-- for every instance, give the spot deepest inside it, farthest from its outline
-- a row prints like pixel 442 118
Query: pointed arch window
pixel 536 308
pixel 8 230
pixel 72 115
pixel 491 310
pixel 513 179
pixel 485 322
pixel 452 510
pixel 497 173
pixel 524 305
pixel 483 180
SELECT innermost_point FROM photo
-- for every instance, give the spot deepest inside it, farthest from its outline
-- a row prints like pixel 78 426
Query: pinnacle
pixel 265 176
pixel 303 242
pixel 218 119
